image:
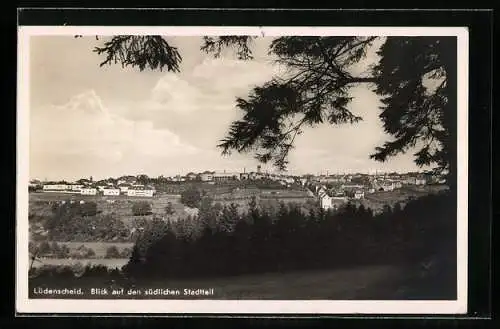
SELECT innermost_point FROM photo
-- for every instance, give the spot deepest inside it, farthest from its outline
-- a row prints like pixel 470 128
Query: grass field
pixel 119 206
pixel 362 283
pixel 337 284
pixel 377 200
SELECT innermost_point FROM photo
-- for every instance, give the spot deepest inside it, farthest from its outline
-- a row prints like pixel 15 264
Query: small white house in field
pixel 359 195
pixel 141 191
pixel 325 200
pixel 329 200
pixel 111 191
pixel 88 191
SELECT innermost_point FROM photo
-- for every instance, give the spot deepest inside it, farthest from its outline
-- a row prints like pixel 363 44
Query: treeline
pixel 56 250
pixel 39 275
pixel 223 242
pixel 61 250
pixel 82 222
pixel 75 222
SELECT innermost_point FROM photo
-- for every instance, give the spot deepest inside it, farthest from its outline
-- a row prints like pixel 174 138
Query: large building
pixel 56 188
pixel 76 188
pixel 226 177
pixel 207 176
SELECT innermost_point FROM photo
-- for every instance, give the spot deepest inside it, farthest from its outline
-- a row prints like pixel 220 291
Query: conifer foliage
pixel 416 77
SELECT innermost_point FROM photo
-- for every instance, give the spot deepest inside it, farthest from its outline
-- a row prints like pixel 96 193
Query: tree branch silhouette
pixel 316 85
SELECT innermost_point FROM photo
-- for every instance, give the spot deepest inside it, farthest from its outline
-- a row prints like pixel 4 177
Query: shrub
pixel 142 208
pixel 191 197
pixel 112 252
pixel 126 252
pixel 88 209
pixel 90 253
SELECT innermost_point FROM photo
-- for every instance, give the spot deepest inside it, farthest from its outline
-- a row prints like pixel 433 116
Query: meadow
pixel 357 283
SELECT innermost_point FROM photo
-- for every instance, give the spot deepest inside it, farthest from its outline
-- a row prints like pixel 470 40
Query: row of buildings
pixel 333 193
pixel 107 190
pixel 384 180
pixel 221 177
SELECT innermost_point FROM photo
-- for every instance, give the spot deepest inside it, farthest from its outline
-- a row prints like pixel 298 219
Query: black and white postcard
pixel 249 170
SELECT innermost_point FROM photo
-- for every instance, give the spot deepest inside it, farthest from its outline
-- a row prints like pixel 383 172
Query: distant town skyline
pixel 87 120
pixel 184 174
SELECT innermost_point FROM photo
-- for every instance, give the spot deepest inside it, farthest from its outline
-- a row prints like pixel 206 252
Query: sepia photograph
pixel 242 170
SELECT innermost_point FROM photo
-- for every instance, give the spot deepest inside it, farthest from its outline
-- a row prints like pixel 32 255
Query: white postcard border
pixel 26 305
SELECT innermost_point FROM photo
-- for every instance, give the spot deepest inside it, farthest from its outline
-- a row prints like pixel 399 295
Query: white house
pixel 359 194
pixel 88 191
pixel 206 176
pixel 141 191
pixel 325 201
pixel 111 191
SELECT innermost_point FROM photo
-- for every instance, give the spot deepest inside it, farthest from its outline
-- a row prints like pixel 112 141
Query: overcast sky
pixel 87 120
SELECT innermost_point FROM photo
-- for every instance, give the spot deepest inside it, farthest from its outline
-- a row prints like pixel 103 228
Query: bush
pixel 191 197
pixel 44 248
pixel 88 209
pixel 90 253
pixel 142 208
pixel 126 252
pixel 112 252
